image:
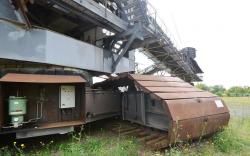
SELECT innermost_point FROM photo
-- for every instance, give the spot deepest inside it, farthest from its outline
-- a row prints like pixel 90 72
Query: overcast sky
pixel 218 29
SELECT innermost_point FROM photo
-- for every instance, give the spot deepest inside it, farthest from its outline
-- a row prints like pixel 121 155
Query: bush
pixel 227 141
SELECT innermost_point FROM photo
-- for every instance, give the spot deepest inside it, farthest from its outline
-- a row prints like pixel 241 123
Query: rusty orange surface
pixel 193 112
pixel 38 78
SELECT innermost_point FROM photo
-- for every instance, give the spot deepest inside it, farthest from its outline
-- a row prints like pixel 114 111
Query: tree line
pixel 236 91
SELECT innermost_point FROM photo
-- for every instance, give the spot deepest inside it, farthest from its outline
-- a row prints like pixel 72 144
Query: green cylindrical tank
pixel 17 109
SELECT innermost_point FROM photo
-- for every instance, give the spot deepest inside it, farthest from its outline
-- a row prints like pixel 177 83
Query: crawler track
pixel 151 138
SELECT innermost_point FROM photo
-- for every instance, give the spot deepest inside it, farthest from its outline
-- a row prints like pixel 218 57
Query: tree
pixel 218 90
pixel 238 91
pixel 221 91
pixel 202 86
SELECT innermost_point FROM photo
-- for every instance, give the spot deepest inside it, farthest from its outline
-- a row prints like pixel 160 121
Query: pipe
pixel 41 101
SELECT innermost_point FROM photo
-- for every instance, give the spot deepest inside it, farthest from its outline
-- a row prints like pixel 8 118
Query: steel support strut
pixel 136 32
pixel 123 52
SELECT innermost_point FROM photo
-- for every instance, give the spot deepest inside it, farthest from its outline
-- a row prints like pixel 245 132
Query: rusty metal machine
pixel 50 50
pixel 177 109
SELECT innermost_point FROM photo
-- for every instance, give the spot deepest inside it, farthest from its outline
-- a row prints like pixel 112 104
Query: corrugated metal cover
pixel 155 78
pixel 182 109
pixel 192 112
pixel 183 100
pixel 162 84
pixel 37 78
pixel 172 89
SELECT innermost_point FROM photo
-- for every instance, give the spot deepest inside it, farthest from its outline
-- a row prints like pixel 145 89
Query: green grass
pixel 87 146
pixel 100 147
pixel 233 140
pixel 237 101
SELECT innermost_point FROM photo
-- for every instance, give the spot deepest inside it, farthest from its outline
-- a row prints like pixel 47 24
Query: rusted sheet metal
pixel 182 109
pixel 197 127
pixel 192 112
pixel 37 78
pixel 60 124
pixel 162 84
pixel 186 95
pixel 155 78
pixel 171 89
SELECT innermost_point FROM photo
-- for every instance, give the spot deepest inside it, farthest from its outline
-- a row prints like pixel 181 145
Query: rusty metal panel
pixel 192 112
pixel 162 84
pixel 37 78
pixel 181 109
pixel 60 124
pixel 189 112
pixel 185 95
pixel 194 128
pixel 216 122
pixel 155 78
pixel 171 89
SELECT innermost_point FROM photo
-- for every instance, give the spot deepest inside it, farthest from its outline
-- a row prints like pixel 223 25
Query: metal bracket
pixel 134 33
pixel 131 39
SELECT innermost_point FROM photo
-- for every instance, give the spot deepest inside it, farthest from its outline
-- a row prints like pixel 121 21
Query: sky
pixel 220 32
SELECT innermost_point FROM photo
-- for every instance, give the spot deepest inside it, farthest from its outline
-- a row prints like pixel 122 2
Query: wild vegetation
pixel 236 91
pixel 233 140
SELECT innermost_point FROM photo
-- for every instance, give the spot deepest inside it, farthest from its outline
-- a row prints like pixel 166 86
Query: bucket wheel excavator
pixel 50 50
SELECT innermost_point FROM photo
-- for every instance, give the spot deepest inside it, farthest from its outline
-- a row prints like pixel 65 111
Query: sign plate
pixel 219 103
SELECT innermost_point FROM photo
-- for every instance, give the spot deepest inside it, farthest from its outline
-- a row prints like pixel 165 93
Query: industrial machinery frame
pixel 50 50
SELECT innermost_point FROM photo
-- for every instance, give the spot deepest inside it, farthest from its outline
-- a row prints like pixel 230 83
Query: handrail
pixel 158 22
